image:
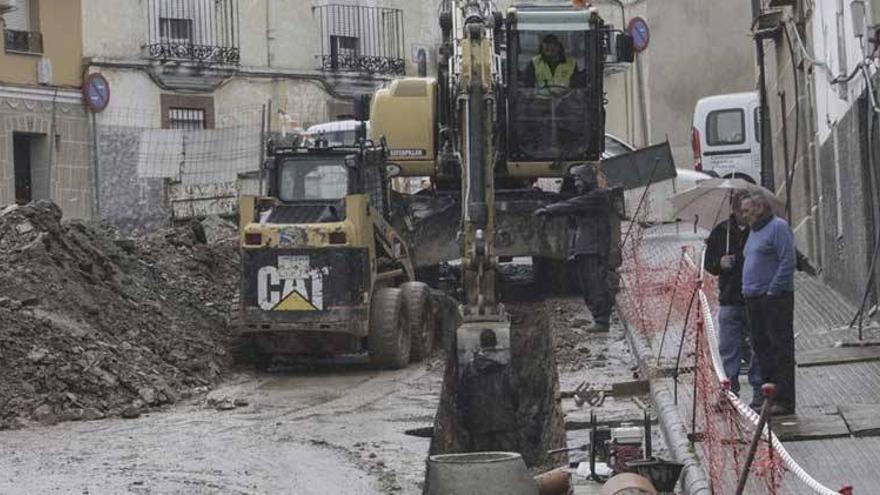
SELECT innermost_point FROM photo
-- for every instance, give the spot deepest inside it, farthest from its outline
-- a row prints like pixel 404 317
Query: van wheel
pixel 389 339
pixel 417 299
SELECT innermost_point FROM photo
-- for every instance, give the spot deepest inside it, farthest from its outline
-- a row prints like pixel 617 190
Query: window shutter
pixel 20 18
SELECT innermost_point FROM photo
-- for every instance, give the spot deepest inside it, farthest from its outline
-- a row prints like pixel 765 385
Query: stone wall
pixel 62 166
pixel 133 204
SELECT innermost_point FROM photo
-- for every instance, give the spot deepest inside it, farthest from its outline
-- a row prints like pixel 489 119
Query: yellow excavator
pixel 519 96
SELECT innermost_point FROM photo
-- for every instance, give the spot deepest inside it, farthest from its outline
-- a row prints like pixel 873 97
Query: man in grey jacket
pixel 591 210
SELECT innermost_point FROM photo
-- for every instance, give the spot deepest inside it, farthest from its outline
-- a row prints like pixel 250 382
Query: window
pixel 20 18
pixel 726 127
pixel 203 31
pixel 361 39
pixel 344 45
pixel 190 119
pixel 343 50
pixel 176 30
pixel 21 33
pixel 190 113
pixel 303 181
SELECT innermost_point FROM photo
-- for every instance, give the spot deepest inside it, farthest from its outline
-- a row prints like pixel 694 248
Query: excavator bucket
pixel 430 225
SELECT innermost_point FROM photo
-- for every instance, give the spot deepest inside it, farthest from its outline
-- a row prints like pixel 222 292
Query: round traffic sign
pixel 641 35
pixel 96 92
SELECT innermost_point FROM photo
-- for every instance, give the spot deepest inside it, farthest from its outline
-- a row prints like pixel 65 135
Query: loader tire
pixel 389 340
pixel 420 312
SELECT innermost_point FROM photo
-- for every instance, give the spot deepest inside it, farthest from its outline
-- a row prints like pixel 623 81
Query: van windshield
pixel 308 180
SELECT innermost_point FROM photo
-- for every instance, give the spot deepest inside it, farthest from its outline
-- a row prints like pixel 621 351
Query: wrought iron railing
pixel 361 39
pixel 364 63
pixel 22 41
pixel 203 31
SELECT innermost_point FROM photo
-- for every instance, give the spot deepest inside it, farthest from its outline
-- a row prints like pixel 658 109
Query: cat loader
pixel 323 272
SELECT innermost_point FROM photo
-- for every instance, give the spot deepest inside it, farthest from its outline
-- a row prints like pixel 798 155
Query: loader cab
pixel 555 73
pixel 313 185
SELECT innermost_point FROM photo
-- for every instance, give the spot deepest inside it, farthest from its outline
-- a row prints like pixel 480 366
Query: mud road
pixel 323 431
pixel 334 428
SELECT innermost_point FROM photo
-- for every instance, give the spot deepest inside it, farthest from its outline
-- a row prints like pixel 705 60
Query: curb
pixel 694 480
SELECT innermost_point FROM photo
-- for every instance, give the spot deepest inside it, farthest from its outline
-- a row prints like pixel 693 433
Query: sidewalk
pixel 826 421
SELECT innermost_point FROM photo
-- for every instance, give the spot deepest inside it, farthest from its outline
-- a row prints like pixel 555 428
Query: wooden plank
pixel 624 389
pixel 863 419
pixel 838 355
pixel 794 428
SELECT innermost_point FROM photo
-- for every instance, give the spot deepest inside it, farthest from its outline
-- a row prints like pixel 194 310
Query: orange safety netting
pixel 662 299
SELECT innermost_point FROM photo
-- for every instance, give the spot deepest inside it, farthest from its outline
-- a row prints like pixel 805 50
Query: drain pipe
pixel 765 25
pixel 767 178
pixel 693 478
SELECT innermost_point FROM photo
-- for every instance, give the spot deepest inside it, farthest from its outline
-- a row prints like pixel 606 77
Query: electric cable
pixel 797 108
pixel 871 270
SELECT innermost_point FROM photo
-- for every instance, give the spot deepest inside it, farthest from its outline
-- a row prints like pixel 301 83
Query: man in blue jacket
pixel 591 211
pixel 768 288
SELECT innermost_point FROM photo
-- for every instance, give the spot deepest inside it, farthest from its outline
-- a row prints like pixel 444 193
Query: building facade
pixel 824 127
pixel 45 144
pixel 194 80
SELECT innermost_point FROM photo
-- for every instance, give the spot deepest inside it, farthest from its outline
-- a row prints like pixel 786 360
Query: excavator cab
pixel 555 73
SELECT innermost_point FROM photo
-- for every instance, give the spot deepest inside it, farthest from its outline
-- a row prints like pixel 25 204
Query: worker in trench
pixel 591 244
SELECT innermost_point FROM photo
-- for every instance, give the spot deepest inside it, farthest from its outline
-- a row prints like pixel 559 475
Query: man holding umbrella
pixel 724 258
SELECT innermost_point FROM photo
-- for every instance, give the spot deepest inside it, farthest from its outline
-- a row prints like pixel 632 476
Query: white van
pixel 337 133
pixel 726 136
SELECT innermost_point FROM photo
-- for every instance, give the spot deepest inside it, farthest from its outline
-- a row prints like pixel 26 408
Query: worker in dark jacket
pixel 724 258
pixel 591 210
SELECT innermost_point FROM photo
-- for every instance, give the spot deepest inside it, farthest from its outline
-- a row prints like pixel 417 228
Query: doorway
pixel 31 167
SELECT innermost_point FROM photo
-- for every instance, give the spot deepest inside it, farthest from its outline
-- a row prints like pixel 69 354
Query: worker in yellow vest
pixel 551 67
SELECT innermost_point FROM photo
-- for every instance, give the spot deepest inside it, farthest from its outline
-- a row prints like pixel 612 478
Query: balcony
pixel 23 41
pixel 366 40
pixel 198 31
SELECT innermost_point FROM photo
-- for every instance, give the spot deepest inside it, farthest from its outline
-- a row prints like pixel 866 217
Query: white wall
pixel 113 28
pixel 831 104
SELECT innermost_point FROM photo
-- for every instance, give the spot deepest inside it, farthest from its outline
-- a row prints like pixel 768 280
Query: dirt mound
pixel 94 325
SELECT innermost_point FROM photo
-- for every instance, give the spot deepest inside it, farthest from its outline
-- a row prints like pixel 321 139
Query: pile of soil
pixel 93 325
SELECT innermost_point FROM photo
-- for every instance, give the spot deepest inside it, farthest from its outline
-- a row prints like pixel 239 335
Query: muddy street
pixel 323 431
pixel 335 427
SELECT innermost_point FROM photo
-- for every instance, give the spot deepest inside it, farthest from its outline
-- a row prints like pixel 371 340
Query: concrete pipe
pixel 479 473
pixel 628 484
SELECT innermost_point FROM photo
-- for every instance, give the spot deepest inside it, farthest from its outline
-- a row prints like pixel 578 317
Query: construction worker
pixel 591 210
pixel 551 68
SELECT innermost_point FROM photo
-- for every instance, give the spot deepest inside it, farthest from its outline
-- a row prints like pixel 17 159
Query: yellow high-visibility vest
pixel 561 77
